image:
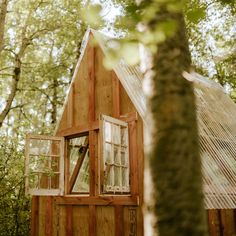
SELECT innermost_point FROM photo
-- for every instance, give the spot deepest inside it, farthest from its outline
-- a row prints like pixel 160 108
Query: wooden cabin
pixel 87 179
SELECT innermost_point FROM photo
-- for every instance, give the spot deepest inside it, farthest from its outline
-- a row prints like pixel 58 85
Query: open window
pixel 114 155
pixel 78 153
pixel 44 165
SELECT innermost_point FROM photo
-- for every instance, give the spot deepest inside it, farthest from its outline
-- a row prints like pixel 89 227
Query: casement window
pixel 78 153
pixel 114 155
pixel 44 168
pixel 45 157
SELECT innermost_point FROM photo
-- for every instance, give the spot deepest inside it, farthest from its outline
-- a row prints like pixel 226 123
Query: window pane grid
pixel 116 163
pixel 44 170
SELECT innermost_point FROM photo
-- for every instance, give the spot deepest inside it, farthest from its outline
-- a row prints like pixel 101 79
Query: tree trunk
pixel 3 13
pixel 173 169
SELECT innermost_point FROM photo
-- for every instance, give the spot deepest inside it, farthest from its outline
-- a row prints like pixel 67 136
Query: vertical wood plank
pixel 227 221
pixel 49 216
pixel 105 221
pixel 96 165
pixel 70 108
pixel 92 220
pixel 91 86
pixel 119 221
pixel 133 158
pixel 115 95
pixel 67 167
pixel 92 161
pixel 69 214
pixel 34 216
pixel 214 225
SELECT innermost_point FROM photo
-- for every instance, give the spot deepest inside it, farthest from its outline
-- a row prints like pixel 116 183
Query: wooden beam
pixel 98 200
pixel 93 125
pixel 49 216
pixel 69 220
pixel 84 128
pixel 34 216
pixel 92 161
pixel 78 166
pixel 115 95
pixel 133 158
pixel 129 117
pixel 92 220
pixel 119 221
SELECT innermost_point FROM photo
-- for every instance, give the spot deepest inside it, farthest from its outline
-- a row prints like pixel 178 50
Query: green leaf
pixel 91 15
pixel 130 53
pixel 168 27
pixel 196 15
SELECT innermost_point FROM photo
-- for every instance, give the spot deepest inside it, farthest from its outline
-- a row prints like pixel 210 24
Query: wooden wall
pixel 222 222
pixel 95 91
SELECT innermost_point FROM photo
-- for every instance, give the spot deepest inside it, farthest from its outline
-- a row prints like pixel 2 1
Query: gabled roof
pixel 216 114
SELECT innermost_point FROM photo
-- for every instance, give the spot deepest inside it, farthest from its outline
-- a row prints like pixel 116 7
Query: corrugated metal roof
pixel 216 114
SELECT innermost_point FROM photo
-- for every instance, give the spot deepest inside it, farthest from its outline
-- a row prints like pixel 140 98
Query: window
pixel 115 155
pixel 78 152
pixel 44 166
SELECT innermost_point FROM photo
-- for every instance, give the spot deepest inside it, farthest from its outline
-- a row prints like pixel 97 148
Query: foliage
pixel 212 43
pixel 14 210
pixel 39 48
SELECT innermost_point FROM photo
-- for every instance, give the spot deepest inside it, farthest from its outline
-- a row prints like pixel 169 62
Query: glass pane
pixel 117 176
pixel 116 155
pixel 107 133
pixel 38 164
pixel 33 181
pixel 54 181
pixel 55 164
pixel 109 173
pixel 44 147
pixel 82 181
pixel 76 150
pixel 55 148
pixel 108 154
pixel 116 134
pixel 34 146
pixel 125 177
pixel 124 136
pixel 43 181
pixel 123 157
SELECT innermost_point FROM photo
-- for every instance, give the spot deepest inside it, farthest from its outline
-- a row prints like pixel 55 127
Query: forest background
pixel 39 48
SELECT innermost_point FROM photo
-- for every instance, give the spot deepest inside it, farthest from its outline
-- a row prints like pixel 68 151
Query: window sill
pixel 103 200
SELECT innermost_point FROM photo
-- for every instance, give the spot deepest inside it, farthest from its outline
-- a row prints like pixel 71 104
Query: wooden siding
pixel 94 91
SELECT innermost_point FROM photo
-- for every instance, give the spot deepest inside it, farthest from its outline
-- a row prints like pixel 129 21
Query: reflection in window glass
pixel 43 157
pixel 79 164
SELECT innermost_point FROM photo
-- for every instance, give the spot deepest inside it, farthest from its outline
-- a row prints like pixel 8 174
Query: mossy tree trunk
pixel 174 200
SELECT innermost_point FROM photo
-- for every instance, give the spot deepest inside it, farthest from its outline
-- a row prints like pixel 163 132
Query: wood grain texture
pixel 92 220
pixel 34 216
pixel 119 221
pixel 115 95
pixel 105 221
pixel 69 220
pixel 80 220
pixel 98 200
pixel 103 87
pixel 133 158
pixel 49 216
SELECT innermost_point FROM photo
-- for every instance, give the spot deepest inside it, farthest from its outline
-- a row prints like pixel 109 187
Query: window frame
pixel 43 191
pixel 67 158
pixel 114 190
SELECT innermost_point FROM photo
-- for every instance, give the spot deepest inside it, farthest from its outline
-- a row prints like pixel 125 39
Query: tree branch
pixel 3 13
